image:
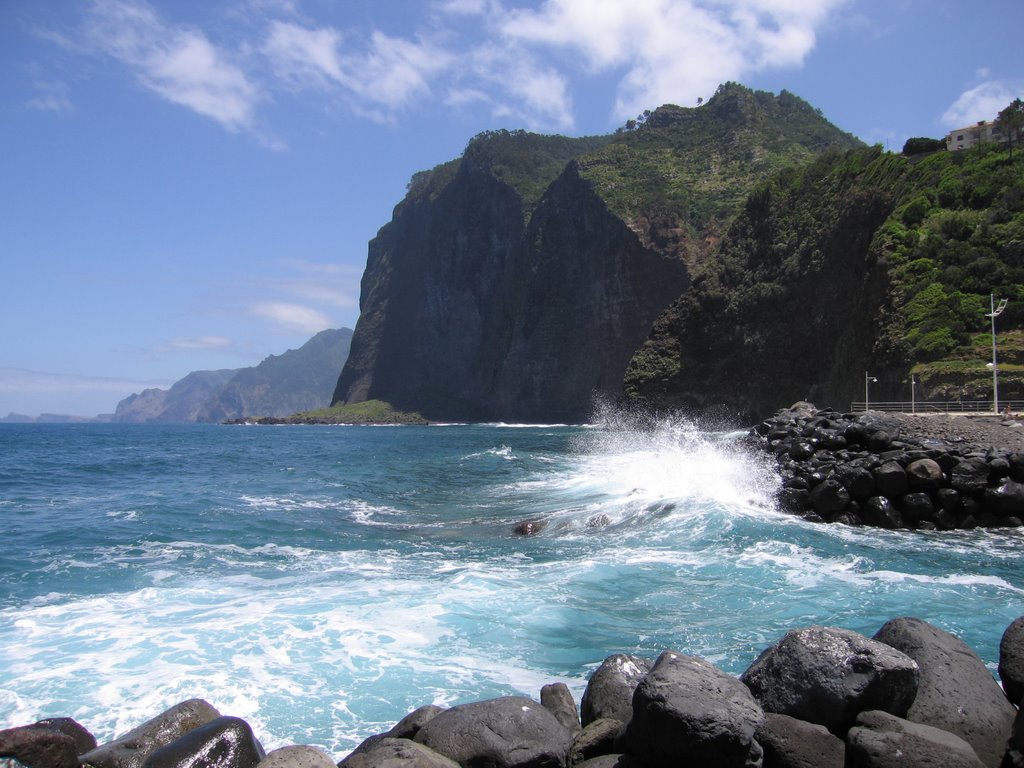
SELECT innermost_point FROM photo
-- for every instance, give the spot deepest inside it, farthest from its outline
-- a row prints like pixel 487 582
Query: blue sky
pixel 192 185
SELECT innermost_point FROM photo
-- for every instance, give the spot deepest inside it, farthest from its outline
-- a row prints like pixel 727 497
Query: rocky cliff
pixel 516 282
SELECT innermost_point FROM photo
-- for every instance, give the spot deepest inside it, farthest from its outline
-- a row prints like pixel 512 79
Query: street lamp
pixel 867 379
pixel 996 311
pixel 913 383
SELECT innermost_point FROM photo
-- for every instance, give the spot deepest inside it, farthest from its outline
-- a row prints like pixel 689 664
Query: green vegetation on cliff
pixel 700 162
pixel 374 412
pixel 858 261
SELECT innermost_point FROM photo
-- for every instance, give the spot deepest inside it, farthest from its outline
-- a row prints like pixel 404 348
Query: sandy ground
pixel 982 431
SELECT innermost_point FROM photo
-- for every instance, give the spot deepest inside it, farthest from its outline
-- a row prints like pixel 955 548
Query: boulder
pixel 1014 757
pixel 389 752
pixel 881 740
pixel 857 480
pixel 42 744
pixel 512 731
pixel 828 676
pixel 969 475
pixel 84 741
pixel 557 699
pixel 297 756
pixel 225 742
pixel 829 496
pixel 1005 499
pixel 791 743
pixel 598 738
pixel 918 506
pixel 924 475
pixel 132 749
pixel 891 479
pixel 410 725
pixel 956 692
pixel 609 691
pixel 881 512
pixel 687 710
pixel 613 761
pixel 1011 661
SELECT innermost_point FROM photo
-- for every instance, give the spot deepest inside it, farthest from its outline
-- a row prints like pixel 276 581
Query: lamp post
pixel 867 379
pixel 913 384
pixel 996 311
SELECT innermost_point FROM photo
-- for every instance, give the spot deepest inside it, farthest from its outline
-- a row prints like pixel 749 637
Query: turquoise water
pixel 321 582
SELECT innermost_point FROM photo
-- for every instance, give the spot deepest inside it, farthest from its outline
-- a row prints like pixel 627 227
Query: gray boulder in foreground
pixel 791 743
pixel 1011 661
pixel 828 676
pixel 225 742
pixel 388 752
pixel 132 749
pixel 609 692
pixel 297 756
pixel 687 711
pixel 558 700
pixel 881 740
pixel 956 692
pixel 509 732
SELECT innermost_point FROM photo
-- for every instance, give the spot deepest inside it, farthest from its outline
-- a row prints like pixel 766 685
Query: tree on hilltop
pixel 1011 121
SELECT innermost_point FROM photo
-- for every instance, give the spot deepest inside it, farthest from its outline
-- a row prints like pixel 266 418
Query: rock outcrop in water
pixel 914 696
pixel 859 469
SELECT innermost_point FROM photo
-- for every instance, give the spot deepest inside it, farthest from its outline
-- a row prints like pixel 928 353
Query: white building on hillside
pixel 981 132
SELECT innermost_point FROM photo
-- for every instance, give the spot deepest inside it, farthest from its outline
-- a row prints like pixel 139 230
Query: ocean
pixel 321 582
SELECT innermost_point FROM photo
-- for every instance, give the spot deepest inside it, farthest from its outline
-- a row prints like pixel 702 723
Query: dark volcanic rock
pixel 1011 661
pixel 956 691
pixel 828 676
pixel 1014 757
pixel 510 732
pixel 829 496
pixel 686 710
pixel 132 749
pixel 791 743
pixel 397 753
pixel 609 692
pixel 410 725
pixel 1006 499
pixel 557 699
pixel 225 742
pixel 891 479
pixel 39 746
pixel 881 740
pixel 598 738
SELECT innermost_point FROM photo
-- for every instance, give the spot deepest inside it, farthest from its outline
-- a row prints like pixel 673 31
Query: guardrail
pixel 933 406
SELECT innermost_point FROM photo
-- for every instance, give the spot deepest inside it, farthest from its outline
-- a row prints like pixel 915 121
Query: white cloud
pixel 389 72
pixel 673 50
pixel 293 318
pixel 51 97
pixel 983 102
pixel 179 63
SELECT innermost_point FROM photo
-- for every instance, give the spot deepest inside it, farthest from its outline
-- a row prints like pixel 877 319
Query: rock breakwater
pixel 867 469
pixel 911 696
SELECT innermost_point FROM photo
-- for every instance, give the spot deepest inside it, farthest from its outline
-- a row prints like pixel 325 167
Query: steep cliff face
pixel 592 290
pixel 433 298
pixel 516 282
pixel 471 314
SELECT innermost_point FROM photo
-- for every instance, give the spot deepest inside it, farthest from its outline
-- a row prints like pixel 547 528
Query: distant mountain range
pixel 299 380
